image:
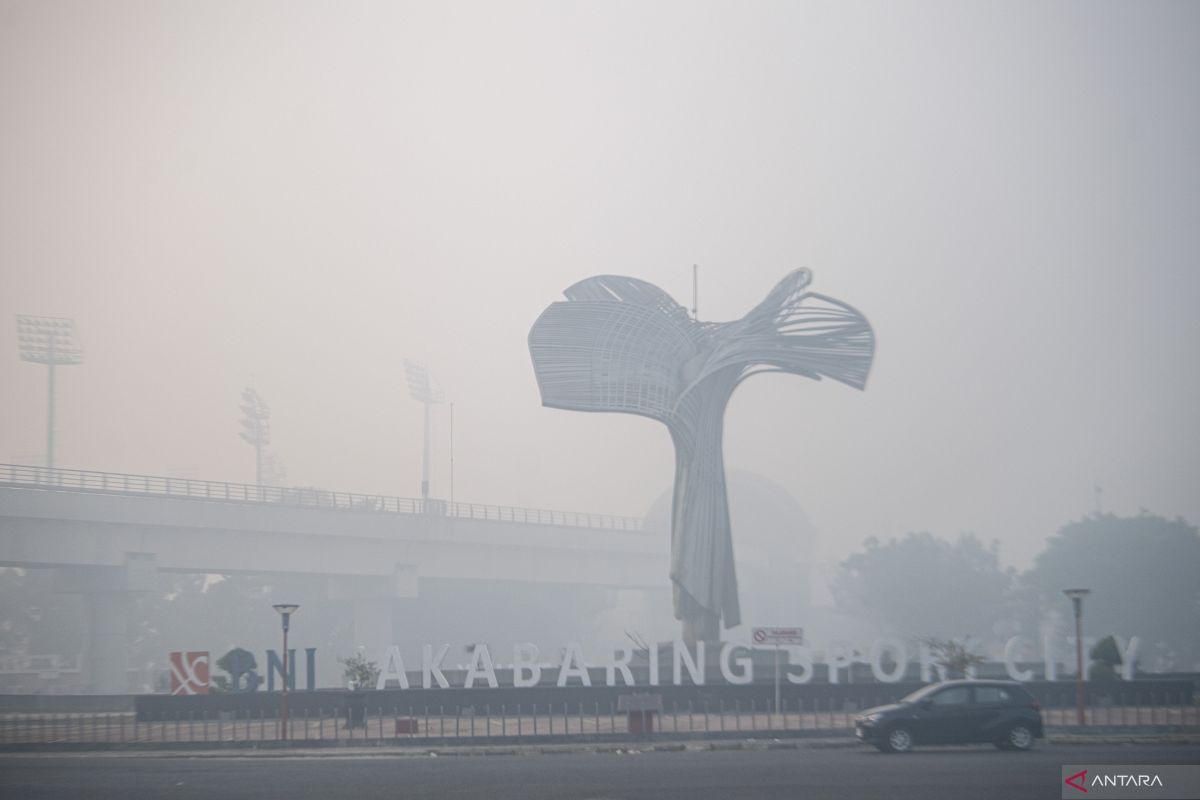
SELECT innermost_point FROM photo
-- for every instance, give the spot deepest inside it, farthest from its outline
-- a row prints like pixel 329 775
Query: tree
pixel 954 655
pixel 36 618
pixel 1106 657
pixel 359 672
pixel 1142 571
pixel 923 586
pixel 17 616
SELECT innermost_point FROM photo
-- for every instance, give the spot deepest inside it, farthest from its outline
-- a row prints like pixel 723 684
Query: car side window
pixel 950 697
pixel 992 696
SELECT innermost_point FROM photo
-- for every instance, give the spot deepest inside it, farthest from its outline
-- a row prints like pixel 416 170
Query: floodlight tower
pixel 51 341
pixel 421 388
pixel 256 424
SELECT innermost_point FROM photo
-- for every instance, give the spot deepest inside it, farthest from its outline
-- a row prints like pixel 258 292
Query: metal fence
pixel 537 723
pixel 76 480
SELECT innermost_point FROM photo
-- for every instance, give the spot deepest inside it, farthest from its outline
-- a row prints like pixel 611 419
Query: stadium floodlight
pixel 256 428
pixel 51 341
pixel 423 390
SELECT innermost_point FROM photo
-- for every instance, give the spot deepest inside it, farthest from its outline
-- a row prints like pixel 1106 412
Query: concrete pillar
pixel 374 601
pixel 105 661
pixel 108 593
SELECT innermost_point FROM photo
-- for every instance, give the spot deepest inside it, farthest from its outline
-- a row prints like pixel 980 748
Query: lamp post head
pixel 1077 596
pixel 285 611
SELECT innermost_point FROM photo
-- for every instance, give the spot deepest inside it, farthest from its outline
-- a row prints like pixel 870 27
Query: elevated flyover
pixel 106 534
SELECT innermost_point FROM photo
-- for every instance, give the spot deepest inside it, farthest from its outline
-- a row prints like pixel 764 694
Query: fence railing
pixel 77 480
pixel 27 664
pixel 431 725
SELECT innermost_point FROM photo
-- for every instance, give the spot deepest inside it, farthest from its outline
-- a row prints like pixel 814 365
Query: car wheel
pixel 898 740
pixel 1020 737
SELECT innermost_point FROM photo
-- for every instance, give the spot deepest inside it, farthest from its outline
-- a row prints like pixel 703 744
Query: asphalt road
pixel 978 773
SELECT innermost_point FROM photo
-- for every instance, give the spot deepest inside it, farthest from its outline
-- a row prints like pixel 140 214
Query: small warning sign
pixel 778 635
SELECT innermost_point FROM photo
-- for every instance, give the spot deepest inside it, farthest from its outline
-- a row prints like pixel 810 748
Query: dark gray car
pixel 1003 713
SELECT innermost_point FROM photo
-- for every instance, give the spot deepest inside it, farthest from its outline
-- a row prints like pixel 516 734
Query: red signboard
pixel 189 672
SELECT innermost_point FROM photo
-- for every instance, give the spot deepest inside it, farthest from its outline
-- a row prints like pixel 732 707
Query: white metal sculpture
pixel 621 344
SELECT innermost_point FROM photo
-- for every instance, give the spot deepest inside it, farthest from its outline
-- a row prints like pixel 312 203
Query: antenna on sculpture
pixel 695 291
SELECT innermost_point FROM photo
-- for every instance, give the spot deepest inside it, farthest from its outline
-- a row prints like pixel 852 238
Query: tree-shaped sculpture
pixel 621 344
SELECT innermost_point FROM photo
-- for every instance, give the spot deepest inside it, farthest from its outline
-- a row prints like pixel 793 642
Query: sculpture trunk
pixel 702 566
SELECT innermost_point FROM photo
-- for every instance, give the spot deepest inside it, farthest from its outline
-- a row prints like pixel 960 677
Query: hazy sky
pixel 308 193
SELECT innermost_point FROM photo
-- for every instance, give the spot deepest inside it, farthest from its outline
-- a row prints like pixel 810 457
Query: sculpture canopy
pixel 621 344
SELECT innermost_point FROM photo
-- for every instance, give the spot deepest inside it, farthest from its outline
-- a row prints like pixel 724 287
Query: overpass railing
pixel 78 480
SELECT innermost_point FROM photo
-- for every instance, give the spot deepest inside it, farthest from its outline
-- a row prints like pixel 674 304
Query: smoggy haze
pixel 308 194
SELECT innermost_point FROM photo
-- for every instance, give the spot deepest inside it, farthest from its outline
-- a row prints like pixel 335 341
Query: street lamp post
pixel 1077 596
pixel 285 612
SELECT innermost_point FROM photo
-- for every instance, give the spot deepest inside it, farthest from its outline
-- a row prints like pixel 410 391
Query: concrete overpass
pixel 106 535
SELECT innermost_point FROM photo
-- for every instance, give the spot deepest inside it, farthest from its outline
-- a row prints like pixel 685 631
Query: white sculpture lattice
pixel 621 344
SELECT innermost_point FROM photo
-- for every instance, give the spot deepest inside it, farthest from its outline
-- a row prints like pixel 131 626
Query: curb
pixel 385 750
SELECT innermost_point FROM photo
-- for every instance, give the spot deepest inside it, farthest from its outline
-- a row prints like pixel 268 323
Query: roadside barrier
pixel 545 722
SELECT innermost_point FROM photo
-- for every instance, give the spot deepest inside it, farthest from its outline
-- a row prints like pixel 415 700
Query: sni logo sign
pixel 189 672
